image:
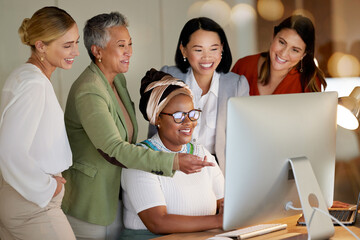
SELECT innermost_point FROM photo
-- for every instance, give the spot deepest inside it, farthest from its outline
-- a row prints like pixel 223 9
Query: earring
pixel 99 60
pixel 301 66
pixel 158 125
pixel 42 58
pixel 184 59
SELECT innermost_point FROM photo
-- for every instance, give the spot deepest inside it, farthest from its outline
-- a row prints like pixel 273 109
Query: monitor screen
pixel 263 132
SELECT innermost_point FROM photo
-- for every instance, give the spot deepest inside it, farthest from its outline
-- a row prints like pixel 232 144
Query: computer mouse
pixel 219 238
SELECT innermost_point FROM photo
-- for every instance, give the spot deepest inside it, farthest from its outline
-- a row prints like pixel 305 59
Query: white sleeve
pixel 142 188
pixel 18 126
pixel 217 177
pixel 243 86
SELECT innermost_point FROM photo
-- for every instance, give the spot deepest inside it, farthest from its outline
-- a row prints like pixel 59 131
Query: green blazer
pixel 98 138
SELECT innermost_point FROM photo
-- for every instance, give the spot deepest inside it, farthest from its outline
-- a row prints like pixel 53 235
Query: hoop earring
pixel 301 66
pixel 184 59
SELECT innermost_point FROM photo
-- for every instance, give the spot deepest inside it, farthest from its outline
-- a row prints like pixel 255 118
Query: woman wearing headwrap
pixel 101 125
pixel 203 60
pixel 184 203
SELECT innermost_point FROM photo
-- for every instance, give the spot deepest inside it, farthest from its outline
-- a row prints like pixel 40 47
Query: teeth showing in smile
pixel 69 60
pixel 207 65
pixel 281 60
pixel 185 130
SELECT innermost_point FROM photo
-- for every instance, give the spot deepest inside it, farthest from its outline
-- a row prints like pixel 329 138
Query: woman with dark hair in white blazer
pixel 203 60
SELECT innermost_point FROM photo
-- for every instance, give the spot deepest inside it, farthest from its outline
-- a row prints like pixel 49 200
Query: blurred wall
pixel 155 26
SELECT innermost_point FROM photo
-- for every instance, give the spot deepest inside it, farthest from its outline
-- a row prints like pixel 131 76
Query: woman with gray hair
pixel 101 126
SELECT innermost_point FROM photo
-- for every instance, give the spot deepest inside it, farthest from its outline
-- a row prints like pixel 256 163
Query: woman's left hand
pixel 338 204
pixel 189 163
pixel 60 182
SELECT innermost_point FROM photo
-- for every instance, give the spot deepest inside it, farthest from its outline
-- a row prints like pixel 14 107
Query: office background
pixel 155 26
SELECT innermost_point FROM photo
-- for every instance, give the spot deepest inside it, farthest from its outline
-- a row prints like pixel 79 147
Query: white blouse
pixel 183 194
pixel 205 130
pixel 33 140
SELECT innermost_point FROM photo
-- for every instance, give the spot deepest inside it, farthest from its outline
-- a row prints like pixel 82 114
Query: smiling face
pixel 62 51
pixel 115 57
pixel 174 135
pixel 286 50
pixel 203 52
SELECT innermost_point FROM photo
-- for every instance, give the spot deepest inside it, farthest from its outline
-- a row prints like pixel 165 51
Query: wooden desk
pixel 292 232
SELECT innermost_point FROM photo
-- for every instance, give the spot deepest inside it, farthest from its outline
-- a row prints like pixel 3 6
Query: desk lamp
pixel 348 110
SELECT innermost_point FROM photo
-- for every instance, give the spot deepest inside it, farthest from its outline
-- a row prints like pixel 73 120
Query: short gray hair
pixel 96 30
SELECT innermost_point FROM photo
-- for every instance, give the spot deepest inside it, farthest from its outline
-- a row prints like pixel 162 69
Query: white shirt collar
pixel 191 82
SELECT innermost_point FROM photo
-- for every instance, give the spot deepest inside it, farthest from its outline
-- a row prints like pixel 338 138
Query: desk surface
pixel 292 232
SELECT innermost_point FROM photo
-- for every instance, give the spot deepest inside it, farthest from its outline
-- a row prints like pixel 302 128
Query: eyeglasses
pixel 179 117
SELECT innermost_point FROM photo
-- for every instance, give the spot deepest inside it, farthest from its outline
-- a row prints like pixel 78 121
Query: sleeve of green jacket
pixel 106 133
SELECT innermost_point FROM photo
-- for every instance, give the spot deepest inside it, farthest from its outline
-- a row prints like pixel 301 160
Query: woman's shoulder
pixel 144 144
pixel 173 71
pixel 249 58
pixel 29 72
pixel 25 75
pixel 246 63
pixel 89 76
pixel 233 84
pixel 232 79
pixel 167 68
pixel 89 81
pixel 230 76
pixel 153 143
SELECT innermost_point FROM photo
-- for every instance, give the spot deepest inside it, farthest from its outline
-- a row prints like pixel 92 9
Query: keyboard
pixel 253 231
pixel 341 215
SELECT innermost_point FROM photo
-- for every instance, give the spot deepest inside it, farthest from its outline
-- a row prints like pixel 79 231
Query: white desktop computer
pixel 263 133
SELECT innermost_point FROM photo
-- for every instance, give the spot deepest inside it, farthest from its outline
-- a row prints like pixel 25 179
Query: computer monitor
pixel 263 132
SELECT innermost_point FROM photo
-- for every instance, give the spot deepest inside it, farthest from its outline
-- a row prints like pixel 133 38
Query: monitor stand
pixel 319 226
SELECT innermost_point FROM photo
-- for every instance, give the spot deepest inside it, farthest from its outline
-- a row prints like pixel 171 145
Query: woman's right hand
pixel 189 163
pixel 60 182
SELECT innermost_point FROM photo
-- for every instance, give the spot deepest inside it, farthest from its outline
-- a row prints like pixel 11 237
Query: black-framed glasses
pixel 179 117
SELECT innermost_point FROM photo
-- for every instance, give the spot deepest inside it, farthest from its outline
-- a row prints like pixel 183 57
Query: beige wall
pixel 154 27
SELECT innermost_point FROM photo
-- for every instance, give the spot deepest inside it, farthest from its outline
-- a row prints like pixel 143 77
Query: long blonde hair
pixel 46 24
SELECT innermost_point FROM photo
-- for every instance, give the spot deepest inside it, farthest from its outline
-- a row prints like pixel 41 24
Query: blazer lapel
pixel 120 85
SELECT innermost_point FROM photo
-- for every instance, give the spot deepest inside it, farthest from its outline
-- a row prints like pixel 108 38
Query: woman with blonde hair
pixel 34 148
